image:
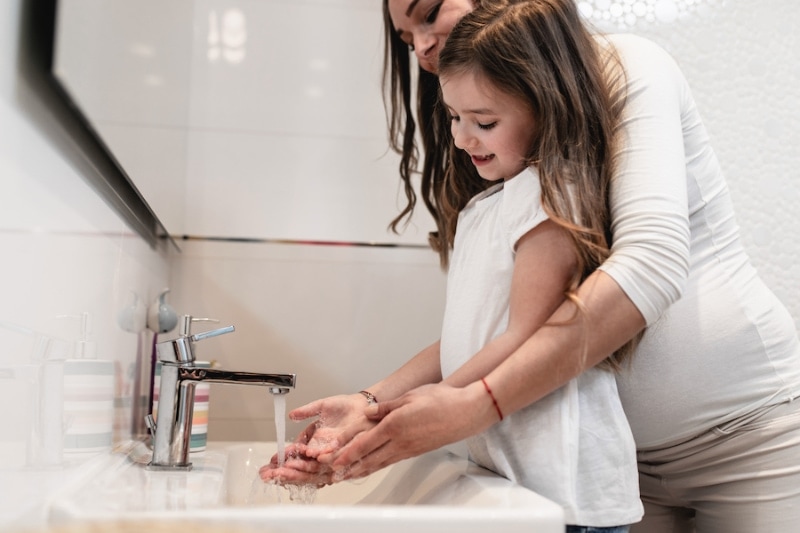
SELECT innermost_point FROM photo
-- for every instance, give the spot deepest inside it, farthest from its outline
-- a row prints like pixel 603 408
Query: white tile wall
pixel 64 253
pixel 340 317
pixel 299 187
pixel 287 133
pixel 127 62
pixel 252 118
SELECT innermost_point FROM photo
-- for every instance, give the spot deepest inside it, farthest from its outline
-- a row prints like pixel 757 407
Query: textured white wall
pixel 742 60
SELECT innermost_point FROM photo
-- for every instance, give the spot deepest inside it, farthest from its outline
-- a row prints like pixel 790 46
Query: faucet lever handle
pixel 186 324
pixel 181 350
pixel 213 333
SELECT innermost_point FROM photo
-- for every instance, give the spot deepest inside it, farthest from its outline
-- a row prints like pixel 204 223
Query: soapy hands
pixel 419 421
pixel 352 440
pixel 308 459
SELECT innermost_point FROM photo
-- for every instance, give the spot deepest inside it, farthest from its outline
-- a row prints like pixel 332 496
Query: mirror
pixel 244 120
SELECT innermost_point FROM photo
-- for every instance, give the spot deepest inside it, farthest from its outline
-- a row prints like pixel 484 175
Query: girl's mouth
pixel 478 160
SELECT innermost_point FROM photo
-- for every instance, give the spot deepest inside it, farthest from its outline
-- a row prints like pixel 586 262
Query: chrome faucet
pixel 179 376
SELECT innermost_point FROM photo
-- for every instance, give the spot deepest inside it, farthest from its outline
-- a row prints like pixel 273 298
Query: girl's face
pixel 495 128
pixel 425 24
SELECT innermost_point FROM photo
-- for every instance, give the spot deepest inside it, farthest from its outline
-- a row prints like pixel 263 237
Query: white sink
pixel 438 492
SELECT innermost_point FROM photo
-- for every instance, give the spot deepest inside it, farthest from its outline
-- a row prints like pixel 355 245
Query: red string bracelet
pixel 494 401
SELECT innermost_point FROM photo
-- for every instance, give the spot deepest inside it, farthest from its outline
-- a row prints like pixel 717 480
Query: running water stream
pixel 272 492
pixel 279 400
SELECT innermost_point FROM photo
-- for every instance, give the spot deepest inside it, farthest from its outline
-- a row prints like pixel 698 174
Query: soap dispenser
pixel 161 317
pixel 133 318
pixel 88 395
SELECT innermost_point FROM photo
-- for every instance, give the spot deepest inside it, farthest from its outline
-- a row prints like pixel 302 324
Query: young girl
pixel 525 204
pixel 537 123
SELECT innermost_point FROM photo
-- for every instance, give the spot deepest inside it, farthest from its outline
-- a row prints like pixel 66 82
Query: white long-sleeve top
pixel 719 344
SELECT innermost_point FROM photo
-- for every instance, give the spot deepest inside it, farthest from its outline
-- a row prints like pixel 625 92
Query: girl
pixel 537 124
pixel 526 216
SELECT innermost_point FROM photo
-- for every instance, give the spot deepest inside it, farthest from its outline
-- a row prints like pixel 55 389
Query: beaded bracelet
pixel 494 401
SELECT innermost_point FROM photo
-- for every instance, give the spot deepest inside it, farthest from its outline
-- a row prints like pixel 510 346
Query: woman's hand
pixel 421 420
pixel 340 418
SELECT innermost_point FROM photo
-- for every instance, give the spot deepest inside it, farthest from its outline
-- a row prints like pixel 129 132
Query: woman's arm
pixel 433 416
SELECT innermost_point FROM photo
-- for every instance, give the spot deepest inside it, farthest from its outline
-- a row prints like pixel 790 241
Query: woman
pixel 709 390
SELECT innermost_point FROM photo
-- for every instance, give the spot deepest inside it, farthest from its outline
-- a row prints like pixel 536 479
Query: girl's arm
pixel 421 369
pixel 543 265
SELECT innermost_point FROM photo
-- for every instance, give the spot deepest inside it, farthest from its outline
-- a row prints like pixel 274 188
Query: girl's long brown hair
pixel 540 53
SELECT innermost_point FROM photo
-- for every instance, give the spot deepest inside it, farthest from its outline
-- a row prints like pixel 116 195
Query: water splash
pixel 304 494
pixel 273 493
pixel 262 492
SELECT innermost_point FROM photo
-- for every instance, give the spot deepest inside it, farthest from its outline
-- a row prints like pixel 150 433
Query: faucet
pixel 179 376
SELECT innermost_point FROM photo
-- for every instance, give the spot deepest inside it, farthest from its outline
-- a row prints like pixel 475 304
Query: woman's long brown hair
pixel 404 116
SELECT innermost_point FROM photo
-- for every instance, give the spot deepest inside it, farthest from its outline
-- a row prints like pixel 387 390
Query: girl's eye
pixel 431 18
pixel 487 126
pixel 454 118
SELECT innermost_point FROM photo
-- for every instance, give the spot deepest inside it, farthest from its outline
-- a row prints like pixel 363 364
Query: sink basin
pixel 438 491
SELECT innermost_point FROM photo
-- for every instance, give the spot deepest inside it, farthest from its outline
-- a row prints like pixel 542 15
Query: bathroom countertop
pixel 123 485
pixel 438 491
pixel 28 490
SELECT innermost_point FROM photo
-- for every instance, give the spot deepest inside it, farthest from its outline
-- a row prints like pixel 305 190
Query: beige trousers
pixel 741 477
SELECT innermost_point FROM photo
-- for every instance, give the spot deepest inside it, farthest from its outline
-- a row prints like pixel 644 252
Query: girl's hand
pixel 339 419
pixel 297 469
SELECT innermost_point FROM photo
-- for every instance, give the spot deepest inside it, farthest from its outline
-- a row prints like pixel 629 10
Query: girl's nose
pixel 461 138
